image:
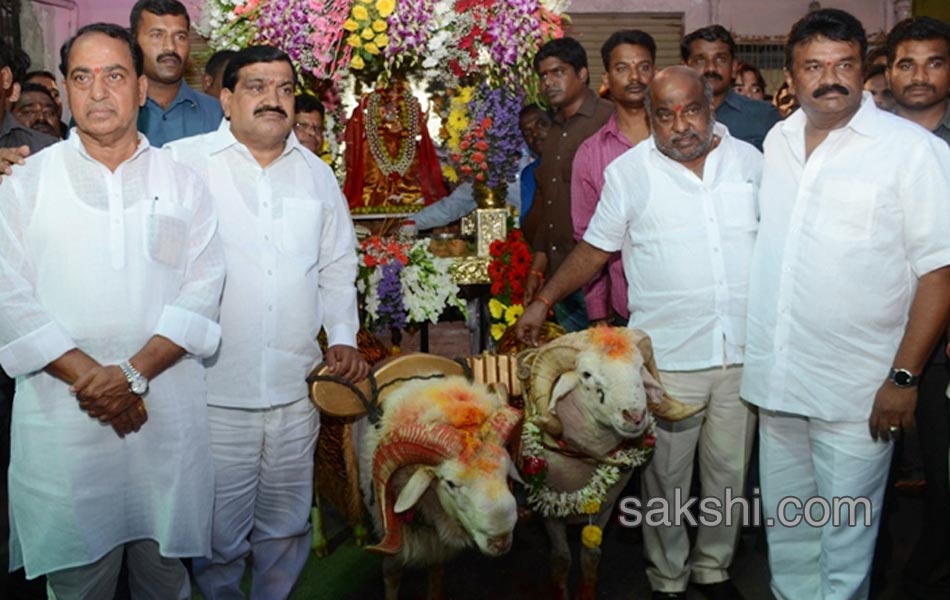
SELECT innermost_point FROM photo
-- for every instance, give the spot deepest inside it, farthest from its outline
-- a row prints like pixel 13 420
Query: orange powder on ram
pixel 615 343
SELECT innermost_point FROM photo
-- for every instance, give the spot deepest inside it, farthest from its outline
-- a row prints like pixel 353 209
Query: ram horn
pixel 413 445
pixel 668 409
pixel 545 367
pixel 501 425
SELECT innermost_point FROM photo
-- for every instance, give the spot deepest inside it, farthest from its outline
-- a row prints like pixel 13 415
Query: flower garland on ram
pixel 588 499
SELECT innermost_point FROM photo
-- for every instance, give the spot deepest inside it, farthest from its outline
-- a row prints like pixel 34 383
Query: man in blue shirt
pixel 712 52
pixel 173 110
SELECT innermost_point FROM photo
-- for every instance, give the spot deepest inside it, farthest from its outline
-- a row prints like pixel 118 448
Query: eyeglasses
pixel 307 127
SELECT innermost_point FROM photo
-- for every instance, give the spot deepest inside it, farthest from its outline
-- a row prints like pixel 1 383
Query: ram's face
pixel 613 392
pixel 475 492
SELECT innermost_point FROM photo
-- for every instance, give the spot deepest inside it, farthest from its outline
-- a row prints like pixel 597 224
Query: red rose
pixel 480 177
pixel 464 145
pixel 481 145
pixel 649 441
pixel 478 157
pixel 534 465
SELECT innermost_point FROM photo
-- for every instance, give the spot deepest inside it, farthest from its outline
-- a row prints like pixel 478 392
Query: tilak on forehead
pixel 97 70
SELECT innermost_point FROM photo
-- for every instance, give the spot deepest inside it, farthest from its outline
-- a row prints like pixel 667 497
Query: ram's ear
pixel 652 387
pixel 415 488
pixel 564 386
pixel 513 473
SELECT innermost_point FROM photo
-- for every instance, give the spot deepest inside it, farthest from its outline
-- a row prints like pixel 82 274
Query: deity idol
pixel 390 158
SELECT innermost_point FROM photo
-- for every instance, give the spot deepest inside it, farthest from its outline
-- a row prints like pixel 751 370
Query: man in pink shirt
pixel 628 59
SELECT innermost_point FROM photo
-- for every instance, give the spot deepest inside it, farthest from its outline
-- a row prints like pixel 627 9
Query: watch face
pixel 902 378
pixel 139 386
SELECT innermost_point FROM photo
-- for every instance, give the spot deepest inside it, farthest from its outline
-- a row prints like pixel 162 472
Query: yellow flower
pixel 498 330
pixel 371 48
pixel 496 308
pixel 354 40
pixel 379 25
pixel 357 62
pixel 448 171
pixel 385 7
pixel 592 506
pixel 360 13
pixel 368 34
pixel 591 536
pixel 351 25
pixel 382 40
pixel 512 313
pixel 458 121
pixel 465 94
pixel 327 158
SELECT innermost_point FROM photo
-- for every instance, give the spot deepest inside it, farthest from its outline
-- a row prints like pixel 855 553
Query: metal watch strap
pixel 902 378
pixel 132 375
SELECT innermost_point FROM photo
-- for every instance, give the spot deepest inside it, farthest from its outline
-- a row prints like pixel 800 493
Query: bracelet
pixel 545 301
pixel 539 274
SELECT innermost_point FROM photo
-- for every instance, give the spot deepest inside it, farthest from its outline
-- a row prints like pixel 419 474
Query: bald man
pixel 681 209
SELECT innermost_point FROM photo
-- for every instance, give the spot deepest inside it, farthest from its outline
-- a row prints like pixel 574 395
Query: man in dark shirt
pixel 712 51
pixel 918 71
pixel 211 81
pixel 37 110
pixel 173 110
pixel 561 66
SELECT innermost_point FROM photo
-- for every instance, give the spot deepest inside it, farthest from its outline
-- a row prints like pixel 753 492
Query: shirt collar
pixel 587 108
pixel 185 95
pixel 222 138
pixel 866 121
pixel 76 143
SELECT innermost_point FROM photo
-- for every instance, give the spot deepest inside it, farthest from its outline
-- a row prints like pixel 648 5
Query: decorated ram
pixel 588 425
pixel 434 473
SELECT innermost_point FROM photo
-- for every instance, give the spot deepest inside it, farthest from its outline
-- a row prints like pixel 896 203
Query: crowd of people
pixel 168 259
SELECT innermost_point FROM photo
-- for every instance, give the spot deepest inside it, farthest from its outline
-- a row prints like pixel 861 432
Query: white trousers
pixel 723 433
pixel 804 458
pixel 151 576
pixel 263 464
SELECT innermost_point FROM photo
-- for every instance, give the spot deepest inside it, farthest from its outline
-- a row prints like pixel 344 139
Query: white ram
pixel 434 474
pixel 588 404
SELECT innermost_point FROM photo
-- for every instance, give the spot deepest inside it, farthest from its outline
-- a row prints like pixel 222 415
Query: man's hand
pixel 893 407
pixel 131 419
pixel 103 392
pixel 529 324
pixel 346 362
pixel 12 156
pixel 531 287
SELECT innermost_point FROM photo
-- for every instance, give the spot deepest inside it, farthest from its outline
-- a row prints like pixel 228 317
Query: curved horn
pixel 414 445
pixel 501 425
pixel 668 409
pixel 551 360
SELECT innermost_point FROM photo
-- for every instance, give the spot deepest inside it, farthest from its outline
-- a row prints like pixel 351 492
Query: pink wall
pixel 117 11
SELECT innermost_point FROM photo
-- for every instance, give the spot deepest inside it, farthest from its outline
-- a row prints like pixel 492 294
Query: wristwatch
pixel 902 378
pixel 138 384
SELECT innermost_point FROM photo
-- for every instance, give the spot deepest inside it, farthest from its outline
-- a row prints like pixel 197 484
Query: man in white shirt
pixel 110 275
pixel 848 293
pixel 680 207
pixel 291 257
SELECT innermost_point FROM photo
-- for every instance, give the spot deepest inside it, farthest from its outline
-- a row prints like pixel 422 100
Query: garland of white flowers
pixel 552 503
pixel 407 146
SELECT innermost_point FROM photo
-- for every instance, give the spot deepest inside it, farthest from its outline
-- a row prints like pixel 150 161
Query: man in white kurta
pixel 108 256
pixel 848 293
pixel 681 209
pixel 291 259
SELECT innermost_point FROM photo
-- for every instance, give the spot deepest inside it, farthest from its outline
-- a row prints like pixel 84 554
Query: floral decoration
pixel 488 149
pixel 508 269
pixel 549 502
pixel 403 283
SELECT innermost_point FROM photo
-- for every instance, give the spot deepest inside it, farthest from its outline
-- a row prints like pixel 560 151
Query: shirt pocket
pixel 739 207
pixel 166 233
pixel 846 210
pixel 300 228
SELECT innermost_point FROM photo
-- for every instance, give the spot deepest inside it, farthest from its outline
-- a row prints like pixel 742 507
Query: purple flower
pixel 503 105
pixel 392 312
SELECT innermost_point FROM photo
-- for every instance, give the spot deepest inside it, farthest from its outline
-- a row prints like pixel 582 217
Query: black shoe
pixel 669 595
pixel 721 590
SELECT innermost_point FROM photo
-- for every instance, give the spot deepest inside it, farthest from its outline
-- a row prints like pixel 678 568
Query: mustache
pixel 920 86
pixel 635 87
pixel 165 55
pixel 712 75
pixel 827 89
pixel 263 109
pixel 681 137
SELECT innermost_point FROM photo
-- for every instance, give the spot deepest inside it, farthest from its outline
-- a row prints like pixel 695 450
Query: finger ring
pixel 893 428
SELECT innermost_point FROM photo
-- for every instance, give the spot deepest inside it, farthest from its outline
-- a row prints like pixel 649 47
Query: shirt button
pixel 164 117
pixel 266 238
pixel 553 248
pixel 716 250
pixel 264 204
pixel 559 158
pixel 564 134
pixel 270 308
pixel 554 180
pixel 269 272
pixel 550 225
